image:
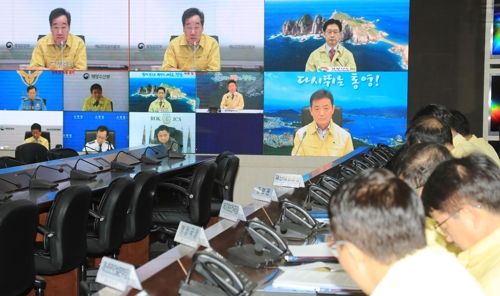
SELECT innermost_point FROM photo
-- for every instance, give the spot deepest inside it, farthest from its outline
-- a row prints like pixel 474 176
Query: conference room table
pixel 15 181
pixel 162 275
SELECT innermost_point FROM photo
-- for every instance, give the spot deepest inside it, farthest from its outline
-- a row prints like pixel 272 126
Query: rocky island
pixel 354 30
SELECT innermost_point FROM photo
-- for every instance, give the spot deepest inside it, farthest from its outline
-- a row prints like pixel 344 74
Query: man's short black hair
pixel 378 213
pixel 57 13
pixel 164 90
pixel 192 12
pixel 36 126
pixel 331 22
pixel 460 123
pixel 103 128
pixel 473 180
pixel 95 86
pixel 321 94
pixel 417 162
pixel 428 129
pixel 231 81
pixel 30 87
pixel 434 110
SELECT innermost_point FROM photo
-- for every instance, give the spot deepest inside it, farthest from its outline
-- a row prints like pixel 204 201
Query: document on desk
pixel 315 250
pixel 312 280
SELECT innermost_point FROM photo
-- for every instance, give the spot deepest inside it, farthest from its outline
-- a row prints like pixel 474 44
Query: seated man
pixel 233 99
pixel 97 102
pixel 377 221
pixel 161 104
pixel 461 147
pixel 463 195
pixel 179 55
pixel 36 131
pixel 32 102
pixel 430 129
pixel 322 137
pixel 331 54
pixel 100 144
pixel 415 165
pixel 162 136
pixel 460 125
pixel 60 49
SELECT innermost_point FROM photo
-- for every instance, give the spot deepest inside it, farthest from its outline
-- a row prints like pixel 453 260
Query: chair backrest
pixel 31 153
pixel 18 224
pixel 8 162
pixel 227 168
pixel 307 118
pixel 91 135
pixel 58 153
pixel 114 206
pixel 138 224
pixel 46 135
pixel 200 188
pixel 67 218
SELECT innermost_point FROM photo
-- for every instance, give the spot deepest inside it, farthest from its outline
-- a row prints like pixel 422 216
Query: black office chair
pixel 91 135
pixel 106 227
pixel 18 223
pixel 64 245
pixel 225 176
pixel 307 118
pixel 31 153
pixel 46 135
pixel 196 207
pixel 59 153
pixel 9 162
pixel 81 36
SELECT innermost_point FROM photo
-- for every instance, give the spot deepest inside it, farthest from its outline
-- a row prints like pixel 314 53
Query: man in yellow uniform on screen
pixel 180 54
pixel 97 102
pixel 233 99
pixel 322 137
pixel 331 54
pixel 60 49
pixel 161 104
pixel 36 131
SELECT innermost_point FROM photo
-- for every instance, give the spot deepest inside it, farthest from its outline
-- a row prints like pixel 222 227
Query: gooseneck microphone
pixel 175 155
pixel 149 160
pixel 86 152
pixel 18 185
pixel 303 137
pixel 338 61
pixel 83 175
pixel 194 56
pixel 41 183
pixel 62 55
pixel 116 165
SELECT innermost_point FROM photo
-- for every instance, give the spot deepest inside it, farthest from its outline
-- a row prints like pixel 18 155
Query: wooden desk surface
pixel 162 275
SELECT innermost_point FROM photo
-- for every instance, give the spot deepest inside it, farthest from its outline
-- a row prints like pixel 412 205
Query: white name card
pixel 229 110
pixel 191 235
pixel 288 180
pixel 232 211
pixel 117 275
pixel 264 193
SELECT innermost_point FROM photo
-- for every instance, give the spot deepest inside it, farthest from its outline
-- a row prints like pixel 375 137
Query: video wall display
pixel 240 79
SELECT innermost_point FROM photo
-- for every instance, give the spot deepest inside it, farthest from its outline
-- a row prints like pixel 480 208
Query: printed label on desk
pixel 288 180
pixel 191 235
pixel 232 211
pixel 264 193
pixel 229 111
pixel 117 275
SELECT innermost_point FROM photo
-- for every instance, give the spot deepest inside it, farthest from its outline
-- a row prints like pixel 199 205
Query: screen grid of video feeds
pixel 239 80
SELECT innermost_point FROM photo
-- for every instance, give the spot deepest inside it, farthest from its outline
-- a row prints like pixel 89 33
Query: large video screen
pixel 244 86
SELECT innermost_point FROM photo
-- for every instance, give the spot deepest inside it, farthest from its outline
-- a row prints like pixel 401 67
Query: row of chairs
pixel 125 213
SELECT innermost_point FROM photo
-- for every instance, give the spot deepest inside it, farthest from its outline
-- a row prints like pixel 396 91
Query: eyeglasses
pixel 335 245
pixel 437 226
pixel 329 32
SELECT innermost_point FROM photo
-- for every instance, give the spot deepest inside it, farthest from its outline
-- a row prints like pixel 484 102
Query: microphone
pixel 338 61
pixel 194 56
pixel 303 136
pixel 116 165
pixel 149 160
pixel 86 152
pixel 83 175
pixel 62 55
pixel 173 154
pixel 41 183
pixel 18 185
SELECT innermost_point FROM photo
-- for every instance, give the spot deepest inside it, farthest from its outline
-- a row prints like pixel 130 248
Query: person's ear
pixel 355 255
pixel 471 215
